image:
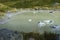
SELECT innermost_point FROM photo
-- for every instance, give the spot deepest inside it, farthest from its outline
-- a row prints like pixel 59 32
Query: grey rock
pixel 7 34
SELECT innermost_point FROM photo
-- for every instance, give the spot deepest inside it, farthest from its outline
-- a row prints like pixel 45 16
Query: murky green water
pixel 21 23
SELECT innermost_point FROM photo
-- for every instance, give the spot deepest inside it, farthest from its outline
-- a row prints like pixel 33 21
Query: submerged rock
pixel 6 34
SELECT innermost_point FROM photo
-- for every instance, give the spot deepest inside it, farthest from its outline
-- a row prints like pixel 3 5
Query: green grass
pixel 21 23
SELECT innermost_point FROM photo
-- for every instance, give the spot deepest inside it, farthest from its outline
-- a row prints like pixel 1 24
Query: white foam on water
pixel 56 29
pixel 34 12
pixel 40 24
pixel 49 21
pixel 7 17
pixel 30 20
pixel 4 21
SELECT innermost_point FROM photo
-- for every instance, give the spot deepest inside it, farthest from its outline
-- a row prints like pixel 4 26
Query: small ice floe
pixel 40 24
pixel 49 21
pixel 30 20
